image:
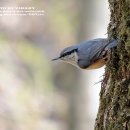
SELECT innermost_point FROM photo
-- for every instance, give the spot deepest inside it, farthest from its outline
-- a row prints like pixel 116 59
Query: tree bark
pixel 114 109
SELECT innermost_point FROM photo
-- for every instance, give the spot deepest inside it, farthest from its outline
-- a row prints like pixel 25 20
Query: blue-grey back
pixel 91 50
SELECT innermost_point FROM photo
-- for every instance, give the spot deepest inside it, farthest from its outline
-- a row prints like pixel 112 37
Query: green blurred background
pixel 36 93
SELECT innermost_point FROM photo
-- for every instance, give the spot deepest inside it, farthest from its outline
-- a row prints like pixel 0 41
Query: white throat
pixel 71 59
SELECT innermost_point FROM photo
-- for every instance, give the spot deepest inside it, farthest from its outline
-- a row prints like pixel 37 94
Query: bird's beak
pixel 56 59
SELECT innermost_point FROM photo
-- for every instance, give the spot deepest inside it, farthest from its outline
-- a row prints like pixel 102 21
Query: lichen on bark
pixel 114 109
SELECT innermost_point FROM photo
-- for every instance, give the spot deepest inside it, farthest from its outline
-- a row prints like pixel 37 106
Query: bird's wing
pixel 91 51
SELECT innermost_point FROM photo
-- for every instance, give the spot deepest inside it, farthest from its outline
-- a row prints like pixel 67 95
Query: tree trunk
pixel 114 110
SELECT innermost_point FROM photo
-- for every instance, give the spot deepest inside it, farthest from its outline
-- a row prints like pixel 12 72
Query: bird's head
pixel 69 55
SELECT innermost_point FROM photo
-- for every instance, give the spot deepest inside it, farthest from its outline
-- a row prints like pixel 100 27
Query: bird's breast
pixel 97 64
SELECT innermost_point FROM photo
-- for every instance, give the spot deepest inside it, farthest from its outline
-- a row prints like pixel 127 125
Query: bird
pixel 91 54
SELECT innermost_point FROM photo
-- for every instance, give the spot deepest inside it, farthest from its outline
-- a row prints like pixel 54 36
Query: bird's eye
pixel 63 55
pixel 68 53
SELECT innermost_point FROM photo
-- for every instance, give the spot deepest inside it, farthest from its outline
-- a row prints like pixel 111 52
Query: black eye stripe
pixel 68 53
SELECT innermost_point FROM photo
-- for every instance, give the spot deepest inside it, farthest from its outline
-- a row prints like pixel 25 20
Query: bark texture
pixel 114 110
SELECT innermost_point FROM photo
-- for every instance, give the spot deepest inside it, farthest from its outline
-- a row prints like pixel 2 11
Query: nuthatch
pixel 91 54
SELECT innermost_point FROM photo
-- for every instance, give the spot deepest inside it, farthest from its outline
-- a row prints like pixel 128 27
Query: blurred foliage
pixel 25 85
pixel 28 62
pixel 36 94
pixel 28 99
